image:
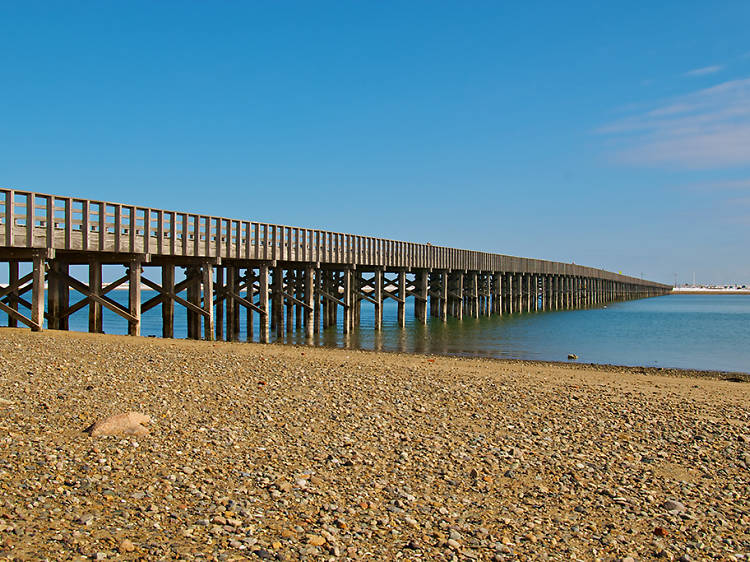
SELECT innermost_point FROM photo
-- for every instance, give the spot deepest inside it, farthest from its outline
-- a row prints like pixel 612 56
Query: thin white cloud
pixel 709 128
pixel 720 185
pixel 704 71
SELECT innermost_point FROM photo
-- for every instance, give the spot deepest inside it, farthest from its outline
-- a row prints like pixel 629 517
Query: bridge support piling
pixel 167 301
pixel 263 303
pixel 220 298
pixel 95 286
pixel 402 298
pixel 37 292
pixel 310 302
pixel 459 300
pixel 230 289
pixel 444 296
pixel 317 299
pixel 13 295
pixel 347 300
pixel 208 301
pixel 289 289
pixel 134 297
pixel 53 296
pixel 420 297
pixel 377 295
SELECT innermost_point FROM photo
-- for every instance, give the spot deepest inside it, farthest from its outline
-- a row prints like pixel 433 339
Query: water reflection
pixel 685 331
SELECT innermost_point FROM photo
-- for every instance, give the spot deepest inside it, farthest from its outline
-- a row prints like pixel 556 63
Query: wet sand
pixel 285 452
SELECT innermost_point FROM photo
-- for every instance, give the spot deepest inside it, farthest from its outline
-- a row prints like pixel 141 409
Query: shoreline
pixel 731 376
pixel 288 452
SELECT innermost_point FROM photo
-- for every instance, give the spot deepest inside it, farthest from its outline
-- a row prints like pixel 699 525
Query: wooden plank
pixel 30 220
pixel 10 217
pixel 160 232
pixel 85 224
pixel 208 300
pixel 95 286
pixel 102 225
pixel 133 221
pixel 37 293
pixel 14 286
pixel 13 282
pixel 115 307
pixel 50 224
pixel 84 302
pixel 118 228
pixel 134 297
pixel 19 317
pixel 172 295
pixel 263 303
pixel 167 303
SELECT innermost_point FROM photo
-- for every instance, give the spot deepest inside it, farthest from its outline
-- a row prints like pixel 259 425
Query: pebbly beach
pixel 298 453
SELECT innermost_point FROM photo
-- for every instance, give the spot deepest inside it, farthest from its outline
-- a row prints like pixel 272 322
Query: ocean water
pixel 682 331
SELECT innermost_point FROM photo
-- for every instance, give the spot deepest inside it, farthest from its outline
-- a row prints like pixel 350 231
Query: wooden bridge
pixel 292 278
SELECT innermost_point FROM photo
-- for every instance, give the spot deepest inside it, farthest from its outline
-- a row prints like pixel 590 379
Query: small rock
pixel 673 505
pixel 127 546
pixel 315 540
pixel 284 486
pixel 132 423
pixel 572 356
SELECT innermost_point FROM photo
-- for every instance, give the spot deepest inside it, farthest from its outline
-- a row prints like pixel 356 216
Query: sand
pixel 284 452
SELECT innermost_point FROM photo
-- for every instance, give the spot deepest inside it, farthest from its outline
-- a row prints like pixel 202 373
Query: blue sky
pixel 612 135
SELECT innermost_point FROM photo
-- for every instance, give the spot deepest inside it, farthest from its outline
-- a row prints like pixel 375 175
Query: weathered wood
pixel 134 297
pixel 378 298
pixel 324 271
pixel 402 298
pixel 277 302
pixel 250 297
pixel 230 290
pixel 289 287
pixel 167 301
pixel 309 302
pixel 220 302
pixel 263 302
pixel 13 298
pixel 95 308
pixel 208 301
pixel 317 299
pixel 444 296
pixel 420 302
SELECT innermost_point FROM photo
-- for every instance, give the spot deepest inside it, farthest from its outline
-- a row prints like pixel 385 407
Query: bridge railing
pixel 34 220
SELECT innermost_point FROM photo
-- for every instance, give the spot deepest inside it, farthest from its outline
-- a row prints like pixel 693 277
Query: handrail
pixel 36 220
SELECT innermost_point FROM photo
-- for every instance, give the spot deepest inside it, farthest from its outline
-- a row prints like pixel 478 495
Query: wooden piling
pixel 167 301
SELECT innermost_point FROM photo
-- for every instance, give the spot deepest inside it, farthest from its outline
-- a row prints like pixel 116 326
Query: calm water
pixel 684 331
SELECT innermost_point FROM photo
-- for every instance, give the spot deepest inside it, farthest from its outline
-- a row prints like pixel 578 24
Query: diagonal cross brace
pixel 173 296
pixel 16 287
pixel 244 302
pixel 106 302
pixel 86 300
pixel 158 299
pixel 18 316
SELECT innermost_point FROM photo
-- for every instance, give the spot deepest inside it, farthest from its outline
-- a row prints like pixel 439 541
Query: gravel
pixel 275 452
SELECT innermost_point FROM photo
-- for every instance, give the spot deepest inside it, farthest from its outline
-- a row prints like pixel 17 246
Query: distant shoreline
pixel 697 291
